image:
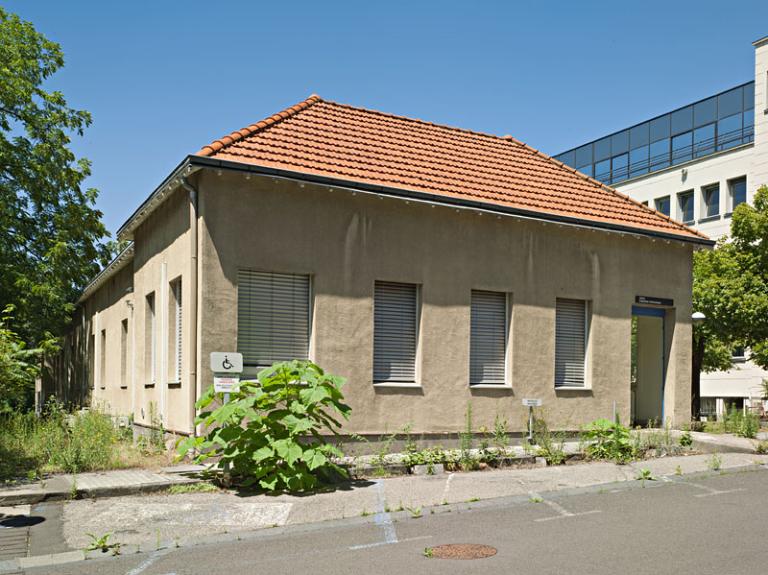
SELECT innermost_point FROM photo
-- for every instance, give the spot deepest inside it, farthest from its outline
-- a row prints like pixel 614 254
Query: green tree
pixel 50 233
pixel 18 367
pixel 730 286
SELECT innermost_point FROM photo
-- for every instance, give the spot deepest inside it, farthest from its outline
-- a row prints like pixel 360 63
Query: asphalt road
pixel 712 524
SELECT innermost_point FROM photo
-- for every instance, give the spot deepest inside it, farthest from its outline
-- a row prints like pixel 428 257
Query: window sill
pixel 400 384
pixel 572 388
pixel 689 222
pixel 490 386
pixel 709 219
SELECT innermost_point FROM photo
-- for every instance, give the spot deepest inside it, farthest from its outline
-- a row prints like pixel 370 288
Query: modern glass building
pixel 721 122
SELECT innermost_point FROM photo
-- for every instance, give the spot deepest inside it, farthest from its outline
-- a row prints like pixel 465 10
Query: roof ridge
pixel 417 120
pixel 607 188
pixel 237 135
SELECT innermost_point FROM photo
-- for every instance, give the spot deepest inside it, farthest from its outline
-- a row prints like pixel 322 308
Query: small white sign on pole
pixel 532 402
pixel 226 362
pixel 225 383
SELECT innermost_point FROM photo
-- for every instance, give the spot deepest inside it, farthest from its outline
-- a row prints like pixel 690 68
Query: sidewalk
pixel 99 484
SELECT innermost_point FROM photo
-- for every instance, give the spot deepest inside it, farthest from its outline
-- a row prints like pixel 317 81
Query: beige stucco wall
pixel 348 241
pixel 106 309
pixel 162 255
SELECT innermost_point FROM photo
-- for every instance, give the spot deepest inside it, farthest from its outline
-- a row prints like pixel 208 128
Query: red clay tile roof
pixel 368 147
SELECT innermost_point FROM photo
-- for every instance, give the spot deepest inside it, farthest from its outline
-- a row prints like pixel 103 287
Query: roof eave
pixel 208 162
pixel 119 262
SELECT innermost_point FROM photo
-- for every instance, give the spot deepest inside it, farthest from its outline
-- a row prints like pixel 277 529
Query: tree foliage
pixel 50 232
pixel 18 367
pixel 270 432
pixel 731 288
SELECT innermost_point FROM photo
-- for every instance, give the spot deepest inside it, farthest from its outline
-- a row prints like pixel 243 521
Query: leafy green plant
pixel 427 552
pixel 686 440
pixel 550 446
pixel 500 432
pixel 762 447
pixel 415 512
pixel 715 462
pixel 270 432
pixel 645 475
pixel 678 470
pixel 536 499
pixel 610 440
pixel 101 543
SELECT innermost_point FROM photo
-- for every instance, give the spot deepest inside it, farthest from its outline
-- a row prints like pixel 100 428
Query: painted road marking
pixel 561 511
pixel 710 491
pixel 144 565
pixel 382 518
pixel 380 543
pixel 447 487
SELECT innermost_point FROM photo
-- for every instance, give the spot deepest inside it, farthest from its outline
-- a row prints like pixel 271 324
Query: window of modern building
pixel 738 192
pixel 682 148
pixel 659 155
pixel 711 197
pixel 603 171
pixel 703 140
pixel 662 205
pixel 571 335
pixel 715 124
pixel 620 168
pixel 175 332
pixel 273 317
pixel 150 338
pixel 729 130
pixel 738 354
pixel 395 332
pixel 685 205
pixel 103 359
pixel 645 203
pixel 488 338
pixel 124 353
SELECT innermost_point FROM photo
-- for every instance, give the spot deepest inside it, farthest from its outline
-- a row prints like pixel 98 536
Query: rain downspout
pixel 193 391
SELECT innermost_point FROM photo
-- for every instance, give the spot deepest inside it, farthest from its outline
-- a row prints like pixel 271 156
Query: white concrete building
pixel 695 164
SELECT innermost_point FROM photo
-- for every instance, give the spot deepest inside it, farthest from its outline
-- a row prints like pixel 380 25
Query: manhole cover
pixel 461 551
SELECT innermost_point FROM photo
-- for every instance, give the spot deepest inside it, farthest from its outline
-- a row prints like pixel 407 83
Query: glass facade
pixel 712 125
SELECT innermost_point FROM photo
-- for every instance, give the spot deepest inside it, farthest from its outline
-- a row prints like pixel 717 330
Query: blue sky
pixel 164 78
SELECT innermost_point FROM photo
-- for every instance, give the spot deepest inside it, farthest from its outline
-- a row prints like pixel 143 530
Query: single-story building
pixel 432 267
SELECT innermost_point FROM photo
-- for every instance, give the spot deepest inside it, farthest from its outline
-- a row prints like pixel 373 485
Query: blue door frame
pixel 662 313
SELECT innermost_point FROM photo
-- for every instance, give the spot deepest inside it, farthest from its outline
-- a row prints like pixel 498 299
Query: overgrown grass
pixel 32 446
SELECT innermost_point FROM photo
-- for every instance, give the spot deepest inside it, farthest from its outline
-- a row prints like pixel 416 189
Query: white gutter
pixel 121 260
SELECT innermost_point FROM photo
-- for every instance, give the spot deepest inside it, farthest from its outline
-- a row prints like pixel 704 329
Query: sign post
pixel 530 404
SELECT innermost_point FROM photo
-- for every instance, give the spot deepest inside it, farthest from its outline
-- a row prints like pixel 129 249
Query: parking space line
pixel 380 543
pixel 382 518
pixel 561 511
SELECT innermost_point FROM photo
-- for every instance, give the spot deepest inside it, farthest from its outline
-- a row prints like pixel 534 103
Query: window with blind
pixel 488 338
pixel 571 335
pixel 150 339
pixel 273 317
pixel 395 332
pixel 124 353
pixel 174 331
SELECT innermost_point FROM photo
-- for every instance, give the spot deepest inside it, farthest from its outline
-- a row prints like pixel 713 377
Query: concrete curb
pixel 41 494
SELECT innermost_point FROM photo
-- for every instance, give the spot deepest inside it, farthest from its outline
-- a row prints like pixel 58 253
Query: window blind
pixel 273 317
pixel 488 338
pixel 394 332
pixel 570 342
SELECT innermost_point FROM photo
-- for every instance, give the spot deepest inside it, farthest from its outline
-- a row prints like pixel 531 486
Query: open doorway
pixel 647 366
